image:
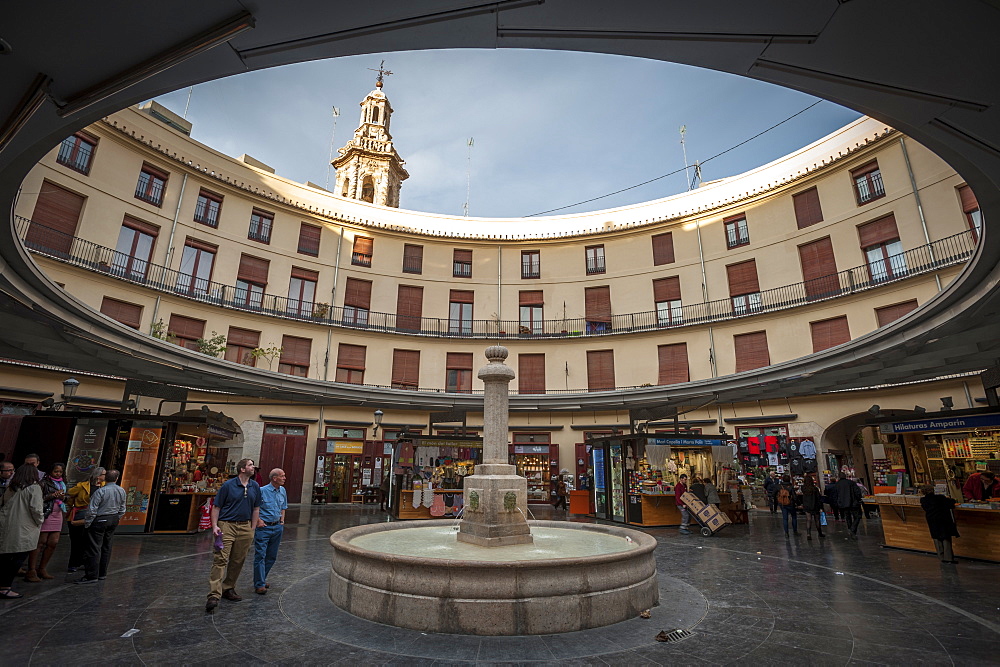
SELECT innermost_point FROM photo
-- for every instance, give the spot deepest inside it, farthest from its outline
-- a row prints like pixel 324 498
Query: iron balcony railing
pixel 80 252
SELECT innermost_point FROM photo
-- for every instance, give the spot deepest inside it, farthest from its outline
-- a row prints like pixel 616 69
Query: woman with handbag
pixel 79 541
pixel 20 522
pixel 812 504
pixel 53 498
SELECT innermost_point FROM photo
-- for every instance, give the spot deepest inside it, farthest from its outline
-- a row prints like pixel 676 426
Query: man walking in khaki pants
pixel 234 515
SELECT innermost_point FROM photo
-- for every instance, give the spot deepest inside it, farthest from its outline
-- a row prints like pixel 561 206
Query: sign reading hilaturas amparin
pixel 942 424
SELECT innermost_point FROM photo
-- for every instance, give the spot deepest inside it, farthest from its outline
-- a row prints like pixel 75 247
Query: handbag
pixel 73 520
pixel 822 518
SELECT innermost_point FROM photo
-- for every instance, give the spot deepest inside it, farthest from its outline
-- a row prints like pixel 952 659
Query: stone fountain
pixel 498 574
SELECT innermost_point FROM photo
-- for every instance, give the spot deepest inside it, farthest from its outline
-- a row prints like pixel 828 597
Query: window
pixel 357 302
pixel 807 208
pixel 462 264
pixel 970 206
pixel 597 303
pixel 185 331
pixel 595 259
pixel 405 369
pixel 460 311
pixel 362 255
pixel 129 314
pixel 151 186
pixel 368 190
pixel 342 433
pixel 301 292
pixel 663 249
pixel 54 220
pixel 530 303
pixel 261 223
pixel 195 274
pixel 413 258
pixel 309 239
pixel 206 211
pixel 744 291
pixel 295 357
pixel 409 308
pixel 77 152
pixel 829 333
pixel 673 363
pixel 531 264
pixel 751 351
pixel 888 314
pixel 251 280
pixel 351 363
pixel 531 373
pixel 134 248
pixel 667 296
pixel 819 269
pixel 459 373
pixel 600 370
pixel 868 183
pixel 240 344
pixel 737 233
pixel 883 251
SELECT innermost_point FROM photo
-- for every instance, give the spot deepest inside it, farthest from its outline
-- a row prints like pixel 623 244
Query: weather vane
pixel 382 73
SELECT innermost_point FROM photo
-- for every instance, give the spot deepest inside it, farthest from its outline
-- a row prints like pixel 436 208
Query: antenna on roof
pixel 468 179
pixel 329 163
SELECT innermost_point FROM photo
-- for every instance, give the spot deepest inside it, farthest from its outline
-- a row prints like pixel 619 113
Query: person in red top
pixel 981 486
pixel 679 490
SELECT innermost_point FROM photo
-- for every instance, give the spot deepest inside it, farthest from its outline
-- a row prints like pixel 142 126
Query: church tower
pixel 369 168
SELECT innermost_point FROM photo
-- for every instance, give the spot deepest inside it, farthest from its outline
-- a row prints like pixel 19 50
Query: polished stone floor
pixel 748 596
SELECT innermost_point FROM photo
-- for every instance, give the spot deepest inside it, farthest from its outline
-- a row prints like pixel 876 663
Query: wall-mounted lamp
pixel 378 422
pixel 70 385
pixel 947 403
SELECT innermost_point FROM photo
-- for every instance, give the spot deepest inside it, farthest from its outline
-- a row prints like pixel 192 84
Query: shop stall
pixel 430 474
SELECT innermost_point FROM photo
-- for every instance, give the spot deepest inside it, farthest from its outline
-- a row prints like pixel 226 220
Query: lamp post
pixel 378 422
pixel 70 385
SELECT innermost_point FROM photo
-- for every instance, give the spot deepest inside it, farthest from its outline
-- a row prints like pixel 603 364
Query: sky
pixel 550 128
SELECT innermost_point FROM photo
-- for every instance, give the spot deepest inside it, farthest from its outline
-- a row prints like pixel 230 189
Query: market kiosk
pixel 429 475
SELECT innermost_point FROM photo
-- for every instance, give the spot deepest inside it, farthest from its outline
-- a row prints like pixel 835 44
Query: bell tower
pixel 368 167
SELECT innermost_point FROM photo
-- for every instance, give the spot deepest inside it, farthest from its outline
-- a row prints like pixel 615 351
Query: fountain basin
pixel 576 576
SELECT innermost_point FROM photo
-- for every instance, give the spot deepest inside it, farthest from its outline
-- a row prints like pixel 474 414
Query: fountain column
pixel 496 497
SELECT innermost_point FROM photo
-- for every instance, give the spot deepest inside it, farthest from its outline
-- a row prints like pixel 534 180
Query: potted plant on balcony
pixel 320 310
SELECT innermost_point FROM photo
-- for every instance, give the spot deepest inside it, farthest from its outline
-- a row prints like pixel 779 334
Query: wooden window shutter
pixel 140 226
pixel 304 274
pixel 531 373
pixel 597 301
pixel 531 298
pixel 878 231
pixel 743 278
pixel 969 201
pixel 888 314
pixel 600 370
pixel 351 356
pixel 409 306
pixel 819 268
pixel 363 245
pixel 243 337
pixel 866 169
pixel 673 363
pixel 663 249
pixel 295 350
pixel 413 256
pixel 829 333
pixel 309 239
pixel 58 209
pixel 463 255
pixel 462 296
pixel 807 208
pixel 253 269
pixel 200 245
pixel 186 327
pixel 667 289
pixel 751 351
pixel 129 314
pixel 461 361
pixel 406 367
pixel 358 293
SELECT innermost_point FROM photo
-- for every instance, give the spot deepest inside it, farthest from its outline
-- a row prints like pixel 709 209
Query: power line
pixel 677 171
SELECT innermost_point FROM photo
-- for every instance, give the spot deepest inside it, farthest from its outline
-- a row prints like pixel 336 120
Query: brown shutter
pixel 888 314
pixel 531 373
pixel 57 209
pixel 663 249
pixel 531 298
pixel 462 296
pixel 351 356
pixel 600 370
pixel 597 301
pixel 866 169
pixel 829 333
pixel 200 245
pixel 461 361
pixel 363 245
pixel 878 231
pixel 413 258
pixel 309 239
pixel 129 314
pixel 358 293
pixel 969 201
pixel 463 255
pixel 187 327
pixel 253 269
pixel 304 274
pixel 140 225
pixel 409 307
pixel 243 337
pixel 295 350
pixel 667 289
pixel 743 278
pixel 807 208
pixel 819 268
pixel 406 367
pixel 751 351
pixel 673 363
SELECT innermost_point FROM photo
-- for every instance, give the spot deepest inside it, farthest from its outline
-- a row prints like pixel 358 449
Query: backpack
pixel 784 496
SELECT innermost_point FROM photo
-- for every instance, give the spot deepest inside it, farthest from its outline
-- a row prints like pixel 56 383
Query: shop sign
pixel 218 430
pixel 85 452
pixel 942 424
pixel 138 471
pixel 445 442
pixel 531 449
pixel 348 447
pixel 684 442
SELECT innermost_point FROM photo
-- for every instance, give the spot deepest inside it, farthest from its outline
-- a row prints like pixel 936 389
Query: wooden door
pixel 284 446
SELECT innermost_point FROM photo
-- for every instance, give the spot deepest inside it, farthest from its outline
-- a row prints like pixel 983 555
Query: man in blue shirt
pixel 234 515
pixel 270 527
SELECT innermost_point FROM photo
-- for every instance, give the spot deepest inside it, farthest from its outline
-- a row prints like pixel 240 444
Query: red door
pixel 284 447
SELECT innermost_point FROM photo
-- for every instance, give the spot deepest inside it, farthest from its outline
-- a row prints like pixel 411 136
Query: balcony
pixel 361 259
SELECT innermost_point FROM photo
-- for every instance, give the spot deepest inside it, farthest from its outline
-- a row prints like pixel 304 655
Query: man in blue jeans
pixel 270 526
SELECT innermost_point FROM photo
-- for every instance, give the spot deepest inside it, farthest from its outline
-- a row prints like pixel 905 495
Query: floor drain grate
pixel 674 635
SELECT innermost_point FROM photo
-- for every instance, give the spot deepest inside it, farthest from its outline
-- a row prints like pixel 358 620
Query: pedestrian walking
pixel 849 502
pixel 53 500
pixel 107 507
pixel 771 486
pixel 79 501
pixel 270 527
pixel 830 496
pixel 712 492
pixel 561 493
pixel 788 500
pixel 6 474
pixel 234 515
pixel 21 520
pixel 384 502
pixel 812 505
pixel 679 490
pixel 939 511
pixel 698 489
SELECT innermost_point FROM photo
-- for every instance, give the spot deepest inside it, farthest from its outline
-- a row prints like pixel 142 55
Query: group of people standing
pixel 844 499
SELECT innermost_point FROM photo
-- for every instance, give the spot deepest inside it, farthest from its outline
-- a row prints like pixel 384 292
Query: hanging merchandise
pixel 807 448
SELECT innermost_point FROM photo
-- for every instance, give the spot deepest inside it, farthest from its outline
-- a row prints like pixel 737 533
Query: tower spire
pixel 382 73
